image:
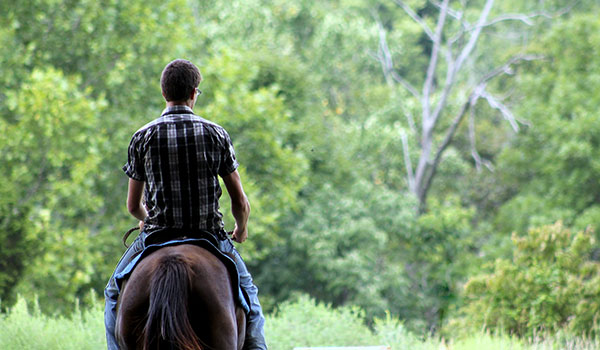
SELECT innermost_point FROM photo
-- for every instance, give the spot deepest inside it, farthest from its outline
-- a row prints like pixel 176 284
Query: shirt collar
pixel 178 109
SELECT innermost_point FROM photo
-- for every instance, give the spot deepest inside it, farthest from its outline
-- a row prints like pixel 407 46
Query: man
pixel 174 163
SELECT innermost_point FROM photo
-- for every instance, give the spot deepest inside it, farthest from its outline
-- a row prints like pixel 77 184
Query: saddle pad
pixel 242 298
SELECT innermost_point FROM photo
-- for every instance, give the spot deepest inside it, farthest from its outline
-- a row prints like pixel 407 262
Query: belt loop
pixel 222 234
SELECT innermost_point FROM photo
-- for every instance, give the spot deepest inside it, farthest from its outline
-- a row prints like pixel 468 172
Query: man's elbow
pixel 243 205
pixel 133 207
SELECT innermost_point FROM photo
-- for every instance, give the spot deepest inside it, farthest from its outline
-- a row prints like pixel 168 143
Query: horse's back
pixel 164 280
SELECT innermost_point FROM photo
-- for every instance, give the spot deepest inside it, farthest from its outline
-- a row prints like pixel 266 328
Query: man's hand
pixel 239 235
pixel 141 224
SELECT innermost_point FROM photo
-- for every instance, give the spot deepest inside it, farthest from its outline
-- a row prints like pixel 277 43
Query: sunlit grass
pixel 27 328
pixel 303 323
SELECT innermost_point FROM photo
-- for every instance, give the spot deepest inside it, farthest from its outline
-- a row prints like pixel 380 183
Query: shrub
pixel 550 283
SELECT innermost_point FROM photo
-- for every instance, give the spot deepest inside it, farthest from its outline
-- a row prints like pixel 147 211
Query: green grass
pixel 27 328
pixel 303 323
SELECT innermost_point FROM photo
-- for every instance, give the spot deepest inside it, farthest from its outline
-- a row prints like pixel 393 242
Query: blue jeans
pixel 255 337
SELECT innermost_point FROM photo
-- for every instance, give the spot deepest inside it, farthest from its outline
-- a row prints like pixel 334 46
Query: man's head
pixel 179 80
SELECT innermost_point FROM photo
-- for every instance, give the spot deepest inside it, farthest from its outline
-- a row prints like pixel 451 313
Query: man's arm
pixel 134 200
pixel 240 207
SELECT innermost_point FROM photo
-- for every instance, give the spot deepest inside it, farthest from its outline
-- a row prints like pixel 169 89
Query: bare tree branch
pixel 408 164
pixel 506 113
pixel 514 17
pixel 466 51
pixel 527 18
pixel 416 18
pixel 473 142
pixel 457 64
pixel 457 37
pixel 412 125
pixel 398 78
pixel 383 53
pixel 428 122
pixel 433 61
pixel 446 142
pixel 457 15
pixel 384 56
pixel 453 13
pixel 478 92
pixel 457 47
pixel 507 68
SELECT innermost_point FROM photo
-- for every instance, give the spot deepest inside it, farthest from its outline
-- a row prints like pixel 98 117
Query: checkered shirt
pixel 179 156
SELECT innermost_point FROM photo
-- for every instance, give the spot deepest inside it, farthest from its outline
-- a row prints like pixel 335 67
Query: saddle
pixel 202 239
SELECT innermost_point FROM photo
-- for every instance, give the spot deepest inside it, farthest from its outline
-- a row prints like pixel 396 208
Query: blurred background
pixel 433 162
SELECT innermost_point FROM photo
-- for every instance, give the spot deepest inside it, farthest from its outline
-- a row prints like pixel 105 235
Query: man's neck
pixel 179 103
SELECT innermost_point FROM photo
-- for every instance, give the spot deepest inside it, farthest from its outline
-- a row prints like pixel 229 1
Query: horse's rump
pixel 179 297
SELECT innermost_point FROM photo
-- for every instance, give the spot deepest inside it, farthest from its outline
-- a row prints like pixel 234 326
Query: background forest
pixel 435 161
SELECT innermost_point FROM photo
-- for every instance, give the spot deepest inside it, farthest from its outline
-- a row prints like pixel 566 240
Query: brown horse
pixel 179 297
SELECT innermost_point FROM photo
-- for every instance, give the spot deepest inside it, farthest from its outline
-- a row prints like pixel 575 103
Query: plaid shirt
pixel 179 156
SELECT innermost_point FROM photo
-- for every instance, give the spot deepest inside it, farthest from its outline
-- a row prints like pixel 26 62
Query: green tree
pixel 63 56
pixel 549 171
pixel 99 63
pixel 338 249
pixel 261 126
pixel 48 157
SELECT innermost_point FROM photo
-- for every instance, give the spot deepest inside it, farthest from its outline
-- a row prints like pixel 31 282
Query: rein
pixel 126 235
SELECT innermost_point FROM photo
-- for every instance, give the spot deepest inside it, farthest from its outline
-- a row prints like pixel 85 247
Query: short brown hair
pixel 179 79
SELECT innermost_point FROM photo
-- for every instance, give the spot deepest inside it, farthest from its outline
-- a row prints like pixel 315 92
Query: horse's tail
pixel 168 324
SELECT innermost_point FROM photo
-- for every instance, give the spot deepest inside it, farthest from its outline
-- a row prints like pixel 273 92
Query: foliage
pixel 438 256
pixel 549 171
pixel 48 155
pixel 350 251
pixel 17 246
pixel 550 283
pixel 77 203
pixel 318 130
pixel 260 126
pixel 64 108
pixel 352 237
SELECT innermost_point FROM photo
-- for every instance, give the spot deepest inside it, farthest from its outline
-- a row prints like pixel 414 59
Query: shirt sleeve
pixel 134 168
pixel 229 162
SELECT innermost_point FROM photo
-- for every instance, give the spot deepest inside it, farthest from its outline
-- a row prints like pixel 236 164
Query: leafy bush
pixel 551 283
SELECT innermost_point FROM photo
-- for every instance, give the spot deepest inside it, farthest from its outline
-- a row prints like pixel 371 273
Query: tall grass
pixel 303 323
pixel 24 327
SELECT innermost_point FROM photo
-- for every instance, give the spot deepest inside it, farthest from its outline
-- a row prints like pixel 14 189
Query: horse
pixel 179 297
